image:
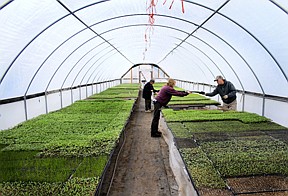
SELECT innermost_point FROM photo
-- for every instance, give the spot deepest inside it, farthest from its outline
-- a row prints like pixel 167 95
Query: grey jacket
pixel 226 89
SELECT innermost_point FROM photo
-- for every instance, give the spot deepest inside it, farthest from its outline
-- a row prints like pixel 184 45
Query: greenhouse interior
pixel 75 118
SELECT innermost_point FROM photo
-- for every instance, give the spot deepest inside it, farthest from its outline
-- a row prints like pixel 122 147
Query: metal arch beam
pixel 279 6
pixel 111 50
pixel 91 40
pixel 240 57
pixel 198 27
pixel 222 58
pixel 5 4
pixel 34 38
pixel 115 18
pixel 65 60
pixel 199 67
pixel 81 69
pixel 104 33
pixel 138 64
pixel 79 61
pixel 206 57
pixel 97 67
pixel 32 79
pixel 87 26
pixel 248 32
pixel 207 45
pixel 113 30
pixel 106 53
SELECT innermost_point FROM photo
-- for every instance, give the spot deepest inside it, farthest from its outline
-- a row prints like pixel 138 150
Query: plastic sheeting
pixel 54 44
pixel 184 182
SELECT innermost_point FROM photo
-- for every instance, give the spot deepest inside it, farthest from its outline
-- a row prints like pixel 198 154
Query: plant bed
pixel 230 145
pixel 213 192
pixel 191 100
pixel 280 134
pixel 211 115
pixel 271 184
pixel 63 152
pixel 199 166
pixel 186 143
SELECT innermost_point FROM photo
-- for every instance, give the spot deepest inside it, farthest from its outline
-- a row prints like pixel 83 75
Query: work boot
pixel 155 134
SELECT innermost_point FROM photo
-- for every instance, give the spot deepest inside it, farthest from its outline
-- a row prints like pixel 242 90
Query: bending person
pixel 162 99
pixel 227 92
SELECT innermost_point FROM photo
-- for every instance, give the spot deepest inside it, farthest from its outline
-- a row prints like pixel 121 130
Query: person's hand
pixel 225 96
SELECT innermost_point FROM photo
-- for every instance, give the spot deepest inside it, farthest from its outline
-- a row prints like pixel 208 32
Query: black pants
pixel 156 118
pixel 147 104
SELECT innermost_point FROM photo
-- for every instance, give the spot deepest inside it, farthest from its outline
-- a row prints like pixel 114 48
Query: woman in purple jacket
pixel 162 99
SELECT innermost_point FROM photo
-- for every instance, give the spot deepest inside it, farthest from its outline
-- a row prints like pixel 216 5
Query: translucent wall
pixel 52 45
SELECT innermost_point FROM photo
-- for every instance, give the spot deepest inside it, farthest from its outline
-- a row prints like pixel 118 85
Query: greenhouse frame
pixel 55 53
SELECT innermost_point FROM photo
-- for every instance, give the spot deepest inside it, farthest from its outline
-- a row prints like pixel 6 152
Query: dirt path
pixel 143 165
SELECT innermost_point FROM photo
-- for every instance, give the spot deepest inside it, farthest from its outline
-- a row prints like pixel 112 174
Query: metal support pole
pixel 71 95
pixel 131 77
pixel 25 108
pixel 46 102
pixel 61 101
pixel 263 105
pixel 243 104
pixel 86 90
pixel 92 89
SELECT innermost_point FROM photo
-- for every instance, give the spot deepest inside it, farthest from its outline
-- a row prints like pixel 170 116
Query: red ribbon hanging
pixel 182 4
pixel 151 10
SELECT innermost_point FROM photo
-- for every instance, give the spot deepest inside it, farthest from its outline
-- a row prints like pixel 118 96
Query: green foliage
pixel 190 97
pixel 229 126
pixel 74 186
pixel 91 167
pixel 244 157
pixel 159 85
pixel 201 169
pixel 211 115
pixel 29 188
pixel 179 130
pixel 194 102
pixel 38 156
pixel 231 144
pixel 119 92
pixel 76 130
pixel 80 186
pixel 24 166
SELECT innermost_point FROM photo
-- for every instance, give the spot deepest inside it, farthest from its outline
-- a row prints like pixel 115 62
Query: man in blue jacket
pixel 147 93
pixel 227 92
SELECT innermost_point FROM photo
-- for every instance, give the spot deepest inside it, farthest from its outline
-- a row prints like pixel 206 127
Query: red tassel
pixel 182 2
pixel 171 4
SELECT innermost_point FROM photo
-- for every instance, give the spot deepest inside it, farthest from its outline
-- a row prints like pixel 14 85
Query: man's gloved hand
pixel 225 96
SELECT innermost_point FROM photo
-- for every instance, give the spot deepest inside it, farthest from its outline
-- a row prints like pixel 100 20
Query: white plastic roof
pixel 50 44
